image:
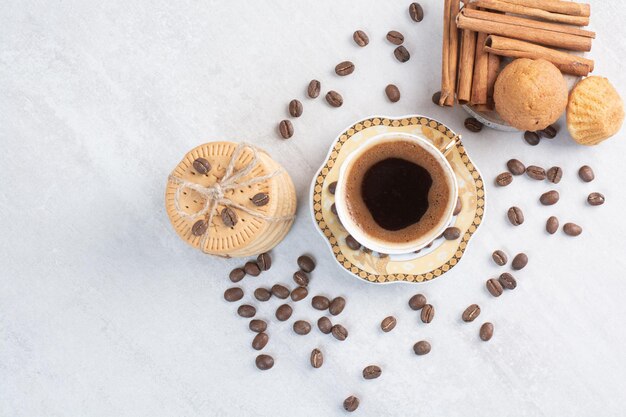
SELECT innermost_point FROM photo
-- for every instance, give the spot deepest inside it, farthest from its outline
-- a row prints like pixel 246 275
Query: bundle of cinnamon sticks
pixel 476 37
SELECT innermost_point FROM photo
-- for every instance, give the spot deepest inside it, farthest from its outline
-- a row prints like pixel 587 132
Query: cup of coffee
pixel 396 193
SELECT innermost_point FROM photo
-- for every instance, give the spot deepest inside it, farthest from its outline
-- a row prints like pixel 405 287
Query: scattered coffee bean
pixel 260 340
pixel 344 68
pixel 264 261
pixel 428 313
pixel 229 217
pixel 201 165
pixel 339 332
pixel 319 302
pixel 317 358
pixel 494 287
pixel 299 293
pixel 280 291
pixel 252 268
pixel 421 348
pixel 532 138
pixel 515 167
pixel 333 209
pixel 351 403
pixel 233 294
pixel 504 179
pixel 572 229
pixel 361 38
pixel 284 312
pixel 332 187
pixel 554 175
pixel 352 243
pixel 285 128
pixel 536 173
pixel 313 90
pixel 595 199
pixel 471 313
pixel 393 94
pixel 486 331
pixel 324 324
pixel 372 372
pixel 262 294
pixel 337 305
pixel 395 37
pixel 417 302
pixel 334 98
pixel 552 225
pixel 436 97
pixel 237 274
pixel 499 257
pixel 257 325
pixel 549 198
pixel 295 108
pixel 301 327
pixel 586 173
pixel 416 12
pixel 264 362
pixel 520 261
pixel 401 54
pixel 515 215
pixel 301 278
pixel 549 132
pixel 452 233
pixel 260 199
pixel 199 228
pixel 473 125
pixel 388 324
pixel 246 310
pixel 306 263
pixel 507 281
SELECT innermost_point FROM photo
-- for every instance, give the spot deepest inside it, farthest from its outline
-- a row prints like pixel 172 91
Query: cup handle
pixel 450 145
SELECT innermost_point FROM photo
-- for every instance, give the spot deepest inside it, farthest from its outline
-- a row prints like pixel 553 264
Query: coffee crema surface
pixel 397 192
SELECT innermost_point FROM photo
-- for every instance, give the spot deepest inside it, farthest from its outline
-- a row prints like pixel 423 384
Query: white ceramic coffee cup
pixel 376 244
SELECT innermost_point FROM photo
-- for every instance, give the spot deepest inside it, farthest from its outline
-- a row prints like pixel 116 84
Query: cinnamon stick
pixel 481 78
pixel 446 89
pixel 512 7
pixel 493 69
pixel 453 50
pixel 567 63
pixel 564 7
pixel 466 65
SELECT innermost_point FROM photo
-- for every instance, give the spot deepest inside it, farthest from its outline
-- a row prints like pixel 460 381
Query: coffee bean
pixel 549 198
pixel 339 332
pixel 262 294
pixel 486 331
pixel 344 68
pixel 337 305
pixel 361 38
pixel 257 325
pixel 471 313
pixel 504 179
pixel 201 165
pixel 515 166
pixel 285 128
pixel 280 291
pixel 260 199
pixel 552 225
pixel 520 261
pixel 301 278
pixel 395 37
pixel 549 132
pixel 317 358
pixel 507 281
pixel 458 207
pixel 494 287
pixel 295 108
pixel 324 324
pixel 233 294
pixel 595 199
pixel 319 302
pixel 301 327
pixel 388 324
pixel 264 261
pixel 264 362
pixel 352 243
pixel 299 293
pixel 436 97
pixel 586 173
pixel 284 312
pixel 473 125
pixel 536 173
pixel 246 310
pixel 515 215
pixel 421 348
pixel 401 54
pixel 306 263
pixel 452 233
pixel 332 187
pixel 259 341
pixel 252 268
pixel 313 90
pixel 237 274
pixel 229 217
pixel 417 302
pixel 393 94
pixel 428 313
pixel 572 229
pixel 499 257
pixel 554 175
pixel 351 403
pixel 333 209
pixel 532 138
pixel 199 228
pixel 416 12
pixel 372 372
pixel 334 98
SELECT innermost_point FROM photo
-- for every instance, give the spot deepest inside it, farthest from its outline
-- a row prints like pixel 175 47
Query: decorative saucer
pixel 427 264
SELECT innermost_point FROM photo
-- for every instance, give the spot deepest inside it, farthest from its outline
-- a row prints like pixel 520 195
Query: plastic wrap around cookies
pixel 230 200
